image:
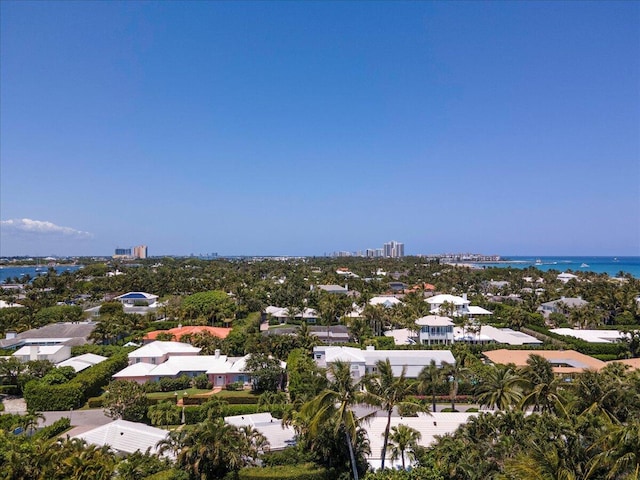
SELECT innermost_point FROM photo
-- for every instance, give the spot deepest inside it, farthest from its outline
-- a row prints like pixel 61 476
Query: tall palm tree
pixel 428 380
pixel 208 450
pixel 454 372
pixel 543 387
pixel 404 439
pixel 500 387
pixel 389 392
pixel 621 449
pixel 334 405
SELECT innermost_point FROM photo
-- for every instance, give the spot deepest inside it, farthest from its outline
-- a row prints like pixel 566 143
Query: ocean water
pixel 11 272
pixel 608 265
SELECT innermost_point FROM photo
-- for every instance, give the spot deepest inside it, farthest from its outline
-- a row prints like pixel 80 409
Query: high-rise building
pixel 140 251
pixel 123 252
pixel 393 249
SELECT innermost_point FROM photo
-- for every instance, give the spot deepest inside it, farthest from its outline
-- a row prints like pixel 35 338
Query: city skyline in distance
pixel 299 129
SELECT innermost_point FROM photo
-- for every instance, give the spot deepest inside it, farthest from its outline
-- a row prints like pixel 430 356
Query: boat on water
pixel 584 265
pixel 538 261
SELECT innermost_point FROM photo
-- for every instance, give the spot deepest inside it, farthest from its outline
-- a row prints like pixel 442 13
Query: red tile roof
pixel 178 332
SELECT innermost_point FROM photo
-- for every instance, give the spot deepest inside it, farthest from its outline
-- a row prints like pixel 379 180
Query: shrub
pixel 173 474
pixel 53 430
pixel 233 387
pixel 152 387
pixel 307 471
pixel 172 384
pixel 472 410
pixel 95 402
pixel 201 381
pixel 73 394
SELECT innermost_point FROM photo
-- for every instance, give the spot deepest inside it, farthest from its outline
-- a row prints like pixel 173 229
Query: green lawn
pixel 231 393
pixel 170 395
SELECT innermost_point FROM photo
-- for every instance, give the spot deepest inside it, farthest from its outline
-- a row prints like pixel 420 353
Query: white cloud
pixel 39 227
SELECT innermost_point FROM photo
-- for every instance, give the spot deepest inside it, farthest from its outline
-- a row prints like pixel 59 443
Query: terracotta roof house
pixel 179 331
pixel 564 362
pixel 632 363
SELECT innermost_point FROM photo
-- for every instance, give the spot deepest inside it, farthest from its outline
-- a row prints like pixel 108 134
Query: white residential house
pixel 159 352
pixel 220 369
pixel 435 330
pixel 462 306
pixel 364 361
pixel 138 299
pixel 564 277
pixel 52 353
pixel 562 305
pixel 126 437
pixel 309 315
pixel 386 301
pixel 82 362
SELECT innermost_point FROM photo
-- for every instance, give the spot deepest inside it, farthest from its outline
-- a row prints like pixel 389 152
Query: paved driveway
pixel 92 418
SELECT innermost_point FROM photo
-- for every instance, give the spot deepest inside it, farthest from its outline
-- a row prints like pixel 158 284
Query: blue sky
pixel 307 127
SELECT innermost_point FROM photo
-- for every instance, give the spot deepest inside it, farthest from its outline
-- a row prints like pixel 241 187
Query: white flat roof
pixel 438 299
pixel 124 436
pixel 475 310
pixel 42 349
pixel 141 369
pixel 592 336
pixel 499 335
pixel 279 436
pixel 430 426
pixel 159 348
pixel 196 363
pixel 402 336
pixel 82 362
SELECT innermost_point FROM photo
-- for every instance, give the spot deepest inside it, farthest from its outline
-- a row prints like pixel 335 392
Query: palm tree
pixel 403 439
pixel 454 372
pixel 621 449
pixel 543 386
pixel 164 413
pixel 500 387
pixel 208 450
pixel 29 421
pixel 334 405
pixel 389 392
pixel 428 379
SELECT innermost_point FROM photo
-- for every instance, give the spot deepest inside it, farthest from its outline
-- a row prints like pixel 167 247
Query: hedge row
pixel 53 430
pixel 195 414
pixel 73 394
pixel 9 389
pixel 619 350
pixel 307 471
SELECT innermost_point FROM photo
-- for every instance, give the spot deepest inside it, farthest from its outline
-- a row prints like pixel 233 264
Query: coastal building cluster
pixel 463 257
pixel 137 252
pixel 390 249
